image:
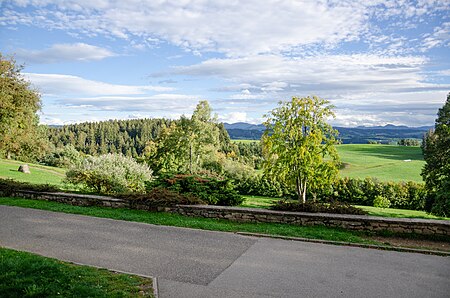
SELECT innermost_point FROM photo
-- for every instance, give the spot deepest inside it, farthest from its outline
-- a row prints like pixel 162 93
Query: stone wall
pixel 351 222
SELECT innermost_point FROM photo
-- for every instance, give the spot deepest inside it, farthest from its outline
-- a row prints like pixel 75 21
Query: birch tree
pixel 299 145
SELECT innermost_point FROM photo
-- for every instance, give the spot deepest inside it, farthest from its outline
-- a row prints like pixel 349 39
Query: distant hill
pixel 349 135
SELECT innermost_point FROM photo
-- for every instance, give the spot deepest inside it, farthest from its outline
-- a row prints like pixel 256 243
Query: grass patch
pixel 176 220
pixel 399 213
pixel 265 203
pixel 258 202
pixel 24 274
pixel 39 174
pixel 384 162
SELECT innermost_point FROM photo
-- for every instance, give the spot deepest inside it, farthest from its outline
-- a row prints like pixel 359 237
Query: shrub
pixel 160 197
pixel 381 202
pixel 403 195
pixel 63 157
pixel 210 190
pixel 316 207
pixel 110 174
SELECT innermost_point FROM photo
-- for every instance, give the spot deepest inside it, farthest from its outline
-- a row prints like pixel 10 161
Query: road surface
pixel 195 263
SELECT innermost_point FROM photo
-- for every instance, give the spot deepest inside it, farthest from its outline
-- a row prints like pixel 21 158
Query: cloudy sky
pixel 377 61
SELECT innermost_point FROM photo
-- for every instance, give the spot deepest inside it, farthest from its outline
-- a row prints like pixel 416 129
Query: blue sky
pixel 379 62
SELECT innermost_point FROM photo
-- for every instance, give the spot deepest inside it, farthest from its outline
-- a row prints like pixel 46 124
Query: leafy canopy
pixel 298 145
pixel 436 152
pixel 20 134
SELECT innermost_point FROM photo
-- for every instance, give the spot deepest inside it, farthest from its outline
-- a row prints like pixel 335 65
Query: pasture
pixel 385 162
pixel 39 174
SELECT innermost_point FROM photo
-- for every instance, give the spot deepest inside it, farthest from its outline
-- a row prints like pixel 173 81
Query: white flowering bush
pixel 110 174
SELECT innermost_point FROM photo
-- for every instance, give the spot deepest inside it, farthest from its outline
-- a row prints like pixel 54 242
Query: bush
pixel 9 186
pixel 210 190
pixel 63 157
pixel 381 202
pixel 110 174
pixel 258 185
pixel 316 207
pixel 160 197
pixel 409 195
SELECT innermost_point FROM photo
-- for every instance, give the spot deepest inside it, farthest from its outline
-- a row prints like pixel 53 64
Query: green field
pixel 39 174
pixel 385 162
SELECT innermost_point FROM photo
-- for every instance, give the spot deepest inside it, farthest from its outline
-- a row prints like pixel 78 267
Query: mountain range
pixel 348 135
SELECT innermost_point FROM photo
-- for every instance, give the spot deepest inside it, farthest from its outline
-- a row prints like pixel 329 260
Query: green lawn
pixel 402 213
pixel 258 202
pixel 39 174
pixel 385 162
pixel 168 219
pixel 265 202
pixel 24 274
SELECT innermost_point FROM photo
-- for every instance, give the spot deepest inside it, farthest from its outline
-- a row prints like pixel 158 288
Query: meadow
pixel 384 162
pixel 39 174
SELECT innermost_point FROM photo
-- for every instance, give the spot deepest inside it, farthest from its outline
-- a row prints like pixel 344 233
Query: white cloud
pixel 63 53
pixel 340 73
pixel 439 37
pixel 66 85
pixel 233 117
pixel 236 28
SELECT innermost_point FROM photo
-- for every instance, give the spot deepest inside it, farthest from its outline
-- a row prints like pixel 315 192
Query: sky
pixel 378 62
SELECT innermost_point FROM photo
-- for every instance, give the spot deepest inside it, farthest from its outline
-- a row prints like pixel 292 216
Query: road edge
pixel 330 242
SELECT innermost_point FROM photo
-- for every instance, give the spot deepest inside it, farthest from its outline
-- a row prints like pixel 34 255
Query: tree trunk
pixel 190 158
pixel 301 190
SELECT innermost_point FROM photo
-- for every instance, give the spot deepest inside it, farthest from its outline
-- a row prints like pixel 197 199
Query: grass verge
pixel 24 274
pixel 176 220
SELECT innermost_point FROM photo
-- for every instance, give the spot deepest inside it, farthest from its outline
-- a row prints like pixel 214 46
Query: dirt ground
pixel 413 243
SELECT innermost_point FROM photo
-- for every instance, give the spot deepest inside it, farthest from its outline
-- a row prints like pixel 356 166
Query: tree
pixel 298 145
pixel 19 123
pixel 436 172
pixel 186 144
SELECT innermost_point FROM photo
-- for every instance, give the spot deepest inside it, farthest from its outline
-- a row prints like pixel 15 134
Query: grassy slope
pixel 39 174
pixel 24 274
pixel 385 162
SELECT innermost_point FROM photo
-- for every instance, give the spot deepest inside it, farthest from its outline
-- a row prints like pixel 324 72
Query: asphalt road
pixel 194 263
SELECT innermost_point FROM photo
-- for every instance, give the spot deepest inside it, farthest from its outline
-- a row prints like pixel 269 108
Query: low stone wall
pixel 351 222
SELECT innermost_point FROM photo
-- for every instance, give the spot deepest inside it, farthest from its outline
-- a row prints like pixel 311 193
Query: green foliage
pixel 128 137
pixel 250 153
pixel 402 195
pixel 409 142
pixel 436 172
pixel 24 274
pixel 187 145
pixel 109 174
pixel 63 157
pixel 259 185
pixel 316 207
pixel 298 145
pixel 210 190
pixel 381 202
pixel 21 136
pixel 160 197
